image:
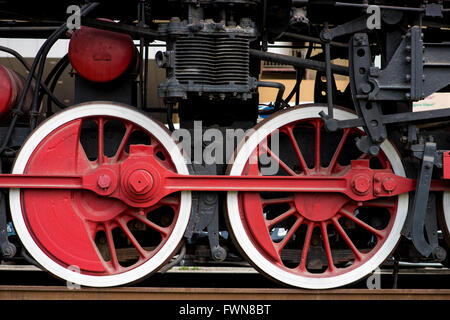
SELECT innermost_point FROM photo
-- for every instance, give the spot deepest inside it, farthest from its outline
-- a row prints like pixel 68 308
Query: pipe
pixel 172 264
pixel 313 39
pixel 270 84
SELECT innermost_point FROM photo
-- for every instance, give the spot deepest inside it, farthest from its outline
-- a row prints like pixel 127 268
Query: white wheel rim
pixel 267 267
pixel 99 109
pixel 446 209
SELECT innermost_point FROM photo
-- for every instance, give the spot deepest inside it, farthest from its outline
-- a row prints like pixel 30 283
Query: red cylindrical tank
pixel 100 55
pixel 11 88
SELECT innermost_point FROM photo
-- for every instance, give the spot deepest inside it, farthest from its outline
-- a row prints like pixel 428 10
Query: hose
pixel 173 263
pixel 32 70
pixel 170 116
pixel 42 57
pixel 281 88
pixel 27 67
pixel 59 69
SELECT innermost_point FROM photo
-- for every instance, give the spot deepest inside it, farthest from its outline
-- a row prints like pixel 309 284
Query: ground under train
pixel 101 194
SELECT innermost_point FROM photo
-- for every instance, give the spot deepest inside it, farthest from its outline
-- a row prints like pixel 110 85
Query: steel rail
pixel 163 293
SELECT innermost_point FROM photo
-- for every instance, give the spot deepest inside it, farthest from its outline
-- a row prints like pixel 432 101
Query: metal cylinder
pixel 11 88
pixel 100 55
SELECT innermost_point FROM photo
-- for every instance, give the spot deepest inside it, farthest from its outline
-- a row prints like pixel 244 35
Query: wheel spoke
pixel 163 231
pixel 266 202
pixel 347 239
pixel 131 237
pixel 112 249
pixel 294 143
pixel 253 168
pixel 280 162
pixel 83 162
pixel 326 244
pixel 101 140
pixel 338 151
pixel 128 130
pixel 389 203
pixel 169 201
pixel 279 246
pixel 364 156
pixel 281 217
pixel 317 126
pixel 306 244
pixel 361 223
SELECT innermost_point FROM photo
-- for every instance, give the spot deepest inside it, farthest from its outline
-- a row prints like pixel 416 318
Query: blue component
pixel 10 229
pixel 264 108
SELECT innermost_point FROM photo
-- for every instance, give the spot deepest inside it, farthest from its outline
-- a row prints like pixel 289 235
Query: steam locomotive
pixel 126 182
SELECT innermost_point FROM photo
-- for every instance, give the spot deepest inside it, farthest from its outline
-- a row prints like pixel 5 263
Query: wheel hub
pixel 319 206
pixel 93 207
pixel 140 181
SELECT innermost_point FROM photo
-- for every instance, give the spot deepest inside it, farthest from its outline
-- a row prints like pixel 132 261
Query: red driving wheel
pixel 106 239
pixel 308 239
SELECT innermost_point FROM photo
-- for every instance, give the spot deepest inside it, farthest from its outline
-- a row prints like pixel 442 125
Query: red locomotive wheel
pixel 109 242
pixel 306 239
pixel 444 222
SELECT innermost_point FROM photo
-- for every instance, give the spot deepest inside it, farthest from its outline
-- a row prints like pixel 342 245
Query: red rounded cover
pixel 100 55
pixel 11 88
pixel 6 91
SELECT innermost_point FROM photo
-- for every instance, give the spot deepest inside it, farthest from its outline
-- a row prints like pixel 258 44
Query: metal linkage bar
pixel 40 181
pixel 360 62
pixel 410 117
pixel 419 210
pixel 359 183
pixel 306 38
pixel 297 62
pixel 329 74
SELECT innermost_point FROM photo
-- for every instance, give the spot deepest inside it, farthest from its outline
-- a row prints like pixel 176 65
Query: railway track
pixel 211 283
pixel 267 294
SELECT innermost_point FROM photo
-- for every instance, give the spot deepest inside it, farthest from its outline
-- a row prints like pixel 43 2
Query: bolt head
pixel 104 181
pixel 373 150
pixel 140 181
pixel 326 35
pixel 366 88
pixel 377 190
pixel 389 184
pixel 361 184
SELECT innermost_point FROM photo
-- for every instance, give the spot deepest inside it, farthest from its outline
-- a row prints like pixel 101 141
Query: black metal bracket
pixel 205 214
pixel 438 115
pixel 370 111
pixel 356 25
pixel 416 70
pixel 419 150
pixel 419 209
pixel 7 248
